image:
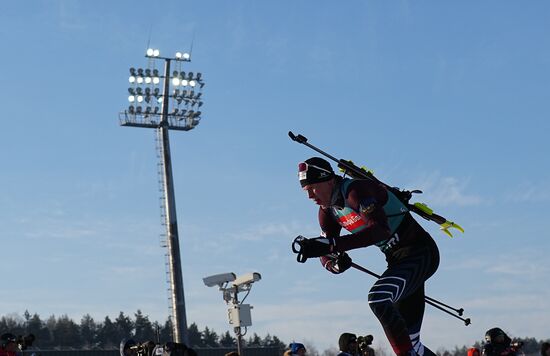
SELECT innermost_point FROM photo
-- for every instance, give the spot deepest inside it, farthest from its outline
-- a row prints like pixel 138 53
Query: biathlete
pixel 373 216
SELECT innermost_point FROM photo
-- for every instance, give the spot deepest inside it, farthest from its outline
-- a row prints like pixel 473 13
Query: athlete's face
pixel 320 193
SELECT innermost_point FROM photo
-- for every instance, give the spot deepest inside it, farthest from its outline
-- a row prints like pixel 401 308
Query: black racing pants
pixel 397 297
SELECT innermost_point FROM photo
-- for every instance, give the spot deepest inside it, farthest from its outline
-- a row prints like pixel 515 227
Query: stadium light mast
pixel 179 100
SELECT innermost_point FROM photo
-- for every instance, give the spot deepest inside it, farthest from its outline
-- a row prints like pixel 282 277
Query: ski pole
pixel 431 301
pixel 466 321
pixel 297 248
pixel 459 311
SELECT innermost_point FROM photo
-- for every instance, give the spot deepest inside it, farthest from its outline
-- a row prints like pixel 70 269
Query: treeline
pixel 63 332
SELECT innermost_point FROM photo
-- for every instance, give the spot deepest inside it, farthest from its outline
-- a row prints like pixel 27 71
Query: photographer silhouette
pixel 497 343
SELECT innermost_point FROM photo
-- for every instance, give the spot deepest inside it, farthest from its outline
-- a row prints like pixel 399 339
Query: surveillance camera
pixel 219 279
pixel 247 278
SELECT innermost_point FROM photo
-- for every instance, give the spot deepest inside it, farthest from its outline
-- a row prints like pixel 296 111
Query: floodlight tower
pixel 179 96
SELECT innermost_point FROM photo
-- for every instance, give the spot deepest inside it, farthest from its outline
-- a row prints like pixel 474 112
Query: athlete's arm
pixel 328 224
pixel 330 228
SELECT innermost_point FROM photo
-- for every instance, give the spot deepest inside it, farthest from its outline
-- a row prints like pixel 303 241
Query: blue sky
pixel 448 97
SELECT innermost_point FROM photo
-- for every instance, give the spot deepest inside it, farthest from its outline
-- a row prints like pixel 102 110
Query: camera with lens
pixel 364 342
pixel 516 344
pixel 129 347
pixel 143 349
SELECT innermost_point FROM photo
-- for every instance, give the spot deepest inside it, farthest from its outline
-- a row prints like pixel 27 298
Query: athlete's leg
pixel 411 309
pixel 382 297
pixel 400 281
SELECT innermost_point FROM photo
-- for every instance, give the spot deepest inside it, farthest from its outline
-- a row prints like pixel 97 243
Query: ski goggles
pixel 303 167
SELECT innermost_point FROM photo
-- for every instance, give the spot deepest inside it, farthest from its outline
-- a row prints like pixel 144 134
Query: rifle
pixel 350 169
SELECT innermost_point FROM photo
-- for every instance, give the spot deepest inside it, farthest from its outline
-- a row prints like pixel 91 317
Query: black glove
pixel 316 247
pixel 336 264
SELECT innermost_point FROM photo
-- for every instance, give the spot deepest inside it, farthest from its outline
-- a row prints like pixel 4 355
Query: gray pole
pixel 239 340
pixel 179 319
pixel 237 329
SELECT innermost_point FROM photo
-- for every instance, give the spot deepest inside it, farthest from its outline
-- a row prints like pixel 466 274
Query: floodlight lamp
pixel 156 53
pixel 156 110
pixel 150 52
pixel 191 94
pixel 175 81
pixel 184 82
pixel 184 92
pixel 176 110
pixel 155 72
pixel 140 72
pixel 139 80
pixel 200 104
pixel 148 80
pixel 156 80
pixel 197 114
pixel 139 98
pixel 138 110
pixel 175 74
pixel 179 55
pixel 176 92
pixel 192 83
pixel 139 91
pixel 159 99
pixel 198 95
pixel 179 99
pixel 190 113
pixel 131 109
pixel 147 72
pixel 131 98
pixel 182 75
pixel 199 76
pixel 131 91
pixel 148 110
pixel 147 98
pixel 202 85
pixel 156 92
pixel 186 56
pixel 148 91
pixel 132 79
pixel 190 75
pixel 132 71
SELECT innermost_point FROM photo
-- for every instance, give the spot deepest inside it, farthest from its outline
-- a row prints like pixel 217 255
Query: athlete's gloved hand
pixel 336 264
pixel 317 247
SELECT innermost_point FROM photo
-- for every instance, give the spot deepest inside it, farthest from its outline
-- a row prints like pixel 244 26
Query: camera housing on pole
pixel 239 314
